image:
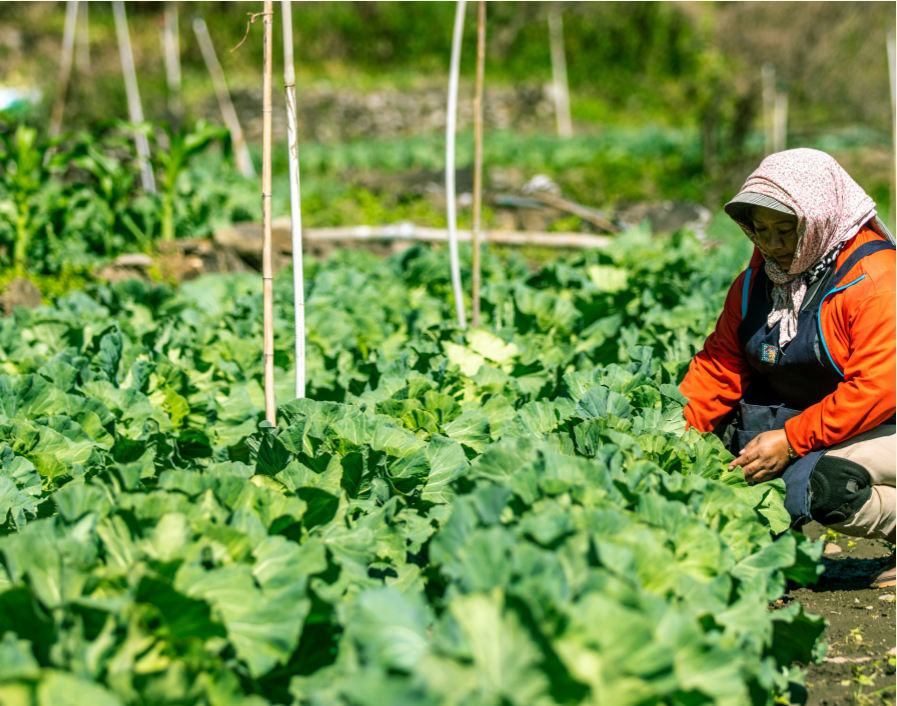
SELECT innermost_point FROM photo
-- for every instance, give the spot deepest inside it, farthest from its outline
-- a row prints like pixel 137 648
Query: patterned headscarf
pixel 830 208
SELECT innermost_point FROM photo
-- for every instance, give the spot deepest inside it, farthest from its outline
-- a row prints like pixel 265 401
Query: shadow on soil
pixel 857 669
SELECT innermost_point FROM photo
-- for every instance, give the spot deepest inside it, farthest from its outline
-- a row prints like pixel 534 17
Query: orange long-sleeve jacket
pixel 859 328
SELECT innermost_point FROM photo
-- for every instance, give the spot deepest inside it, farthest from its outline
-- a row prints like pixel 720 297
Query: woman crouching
pixel 801 366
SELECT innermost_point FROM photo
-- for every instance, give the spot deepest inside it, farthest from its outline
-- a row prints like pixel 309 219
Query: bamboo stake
pixel 892 73
pixel 267 267
pixel 65 68
pixel 135 110
pixel 768 73
pixel 229 115
pixel 559 72
pixel 172 44
pixel 781 122
pixel 82 40
pixel 289 85
pixel 478 157
pixel 451 121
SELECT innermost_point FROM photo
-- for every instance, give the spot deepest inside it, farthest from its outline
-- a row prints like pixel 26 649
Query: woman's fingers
pixel 746 455
pixel 764 475
pixel 759 459
pixel 741 460
pixel 762 469
pixel 753 469
pixel 756 468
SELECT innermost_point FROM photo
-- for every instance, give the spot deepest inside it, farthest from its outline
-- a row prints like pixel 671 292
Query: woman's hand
pixel 765 457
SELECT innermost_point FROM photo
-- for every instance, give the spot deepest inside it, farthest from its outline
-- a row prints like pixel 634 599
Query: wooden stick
pixel 244 237
pixel 289 84
pixel 228 114
pixel 65 67
pixel 441 235
pixel 559 72
pixel 478 158
pixel 82 40
pixel 172 39
pixel 267 266
pixel 781 122
pixel 570 207
pixel 769 100
pixel 135 110
pixel 451 121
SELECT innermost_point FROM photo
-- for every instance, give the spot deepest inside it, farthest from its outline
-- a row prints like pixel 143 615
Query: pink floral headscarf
pixel 830 207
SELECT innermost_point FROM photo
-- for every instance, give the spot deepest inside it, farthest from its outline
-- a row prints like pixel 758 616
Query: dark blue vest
pixel 790 378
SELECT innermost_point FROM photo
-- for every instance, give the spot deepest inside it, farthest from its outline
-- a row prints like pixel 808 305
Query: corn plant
pixel 25 200
pixel 172 161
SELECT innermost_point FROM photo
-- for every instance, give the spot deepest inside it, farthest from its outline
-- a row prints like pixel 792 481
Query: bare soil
pixel 857 668
pixel 20 292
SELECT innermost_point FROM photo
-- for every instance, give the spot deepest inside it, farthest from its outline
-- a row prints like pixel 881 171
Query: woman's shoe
pixel 887 578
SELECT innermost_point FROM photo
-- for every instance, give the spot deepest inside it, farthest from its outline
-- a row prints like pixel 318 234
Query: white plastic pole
pixel 171 35
pixel 65 67
pixel 891 72
pixel 559 72
pixel 781 122
pixel 135 111
pixel 289 84
pixel 451 121
pixel 82 40
pixel 768 74
pixel 241 151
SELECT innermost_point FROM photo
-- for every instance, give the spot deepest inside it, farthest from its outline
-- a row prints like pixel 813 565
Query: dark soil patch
pixel 857 668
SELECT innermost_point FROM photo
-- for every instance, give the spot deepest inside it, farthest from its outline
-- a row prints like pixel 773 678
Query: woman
pixel 802 361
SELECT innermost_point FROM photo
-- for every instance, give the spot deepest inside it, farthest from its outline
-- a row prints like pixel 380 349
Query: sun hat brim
pixel 739 209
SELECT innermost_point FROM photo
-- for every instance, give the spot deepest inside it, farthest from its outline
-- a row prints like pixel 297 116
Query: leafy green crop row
pixel 68 207
pixel 511 515
pixel 64 207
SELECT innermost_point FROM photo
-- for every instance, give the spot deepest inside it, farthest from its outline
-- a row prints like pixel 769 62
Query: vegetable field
pixel 505 515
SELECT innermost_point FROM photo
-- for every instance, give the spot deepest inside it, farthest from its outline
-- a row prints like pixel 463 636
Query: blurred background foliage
pixel 666 97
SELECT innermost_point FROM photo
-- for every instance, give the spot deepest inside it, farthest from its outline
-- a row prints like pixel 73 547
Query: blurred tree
pixel 631 54
pixel 832 54
pixel 689 65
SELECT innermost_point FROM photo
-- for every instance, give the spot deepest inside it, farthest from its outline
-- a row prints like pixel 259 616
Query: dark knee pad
pixel 838 489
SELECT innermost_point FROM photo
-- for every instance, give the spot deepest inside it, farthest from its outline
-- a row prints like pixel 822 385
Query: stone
pixel 832 548
pixel 20 292
pixel 668 216
pixel 133 260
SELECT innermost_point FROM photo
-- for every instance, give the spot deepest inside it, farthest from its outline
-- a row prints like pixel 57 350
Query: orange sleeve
pixel 718 375
pixel 860 336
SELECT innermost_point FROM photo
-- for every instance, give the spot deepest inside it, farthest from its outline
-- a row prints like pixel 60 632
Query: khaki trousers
pixel 876 451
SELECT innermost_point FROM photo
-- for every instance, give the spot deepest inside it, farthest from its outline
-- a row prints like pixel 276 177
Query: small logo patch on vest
pixel 769 354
